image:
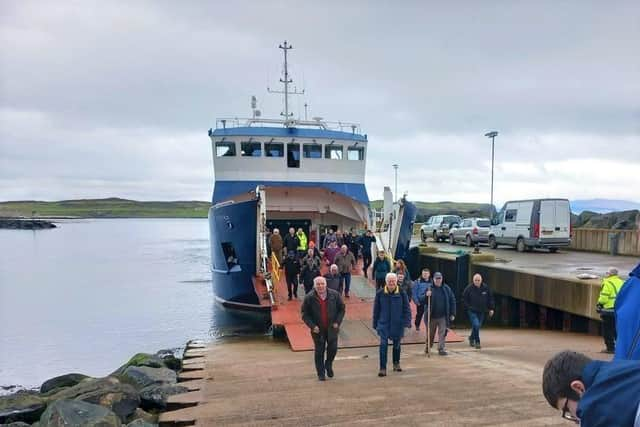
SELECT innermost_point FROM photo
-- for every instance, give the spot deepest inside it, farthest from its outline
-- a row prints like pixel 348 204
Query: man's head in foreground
pixel 562 383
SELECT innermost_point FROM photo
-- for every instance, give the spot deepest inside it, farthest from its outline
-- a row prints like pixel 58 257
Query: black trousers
pixel 366 260
pixel 380 283
pixel 292 285
pixel 609 329
pixel 322 343
pixel 420 308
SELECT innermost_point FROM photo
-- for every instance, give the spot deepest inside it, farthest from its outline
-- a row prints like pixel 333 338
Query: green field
pixel 105 208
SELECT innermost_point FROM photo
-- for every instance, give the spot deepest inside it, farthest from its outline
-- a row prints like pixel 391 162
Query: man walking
pixel 275 242
pixel 302 242
pixel 323 311
pixel 381 267
pixel 593 393
pixel 345 262
pixel 291 241
pixel 309 270
pixel 391 314
pixel 291 272
pixel 333 279
pixel 443 309
pixel 365 243
pixel 420 288
pixel 611 285
pixel 478 299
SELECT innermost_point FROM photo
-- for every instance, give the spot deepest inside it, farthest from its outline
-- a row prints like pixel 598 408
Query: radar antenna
pixel 286 81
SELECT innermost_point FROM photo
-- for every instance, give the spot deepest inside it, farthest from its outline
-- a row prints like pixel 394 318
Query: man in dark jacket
pixel 478 299
pixel 443 310
pixel 365 245
pixel 334 281
pixel 420 288
pixel 323 311
pixel 345 262
pixel 309 270
pixel 391 314
pixel 291 241
pixel 381 266
pixel 291 271
pixel 593 393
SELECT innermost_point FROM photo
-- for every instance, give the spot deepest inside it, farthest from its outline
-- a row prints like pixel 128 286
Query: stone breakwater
pixel 25 224
pixel 131 396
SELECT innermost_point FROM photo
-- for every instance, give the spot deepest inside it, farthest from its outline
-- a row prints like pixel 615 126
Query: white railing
pixel 262 244
pixel 233 122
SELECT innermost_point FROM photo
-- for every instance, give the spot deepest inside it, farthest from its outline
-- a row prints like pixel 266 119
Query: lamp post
pixel 491 135
pixel 395 167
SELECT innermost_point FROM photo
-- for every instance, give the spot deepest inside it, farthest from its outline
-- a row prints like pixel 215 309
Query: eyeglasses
pixel 567 415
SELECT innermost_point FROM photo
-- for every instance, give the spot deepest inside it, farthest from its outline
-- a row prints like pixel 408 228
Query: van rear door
pixel 554 219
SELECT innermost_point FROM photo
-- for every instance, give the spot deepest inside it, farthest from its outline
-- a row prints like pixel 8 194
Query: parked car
pixel 470 231
pixel 528 224
pixel 437 227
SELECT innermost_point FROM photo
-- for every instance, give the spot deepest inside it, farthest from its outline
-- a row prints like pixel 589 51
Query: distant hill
pixel 603 205
pixel 427 209
pixel 105 208
pixel 624 220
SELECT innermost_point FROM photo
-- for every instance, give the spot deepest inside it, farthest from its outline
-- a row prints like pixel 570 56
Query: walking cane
pixel 427 349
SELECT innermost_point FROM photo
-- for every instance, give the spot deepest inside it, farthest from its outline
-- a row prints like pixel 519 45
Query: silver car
pixel 438 227
pixel 470 231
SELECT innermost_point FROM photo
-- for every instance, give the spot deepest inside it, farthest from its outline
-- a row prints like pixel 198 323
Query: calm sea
pixel 88 295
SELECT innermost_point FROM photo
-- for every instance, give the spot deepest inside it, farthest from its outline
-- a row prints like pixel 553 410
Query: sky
pixel 114 98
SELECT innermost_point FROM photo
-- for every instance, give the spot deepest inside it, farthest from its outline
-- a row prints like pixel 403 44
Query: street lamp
pixel 395 166
pixel 491 135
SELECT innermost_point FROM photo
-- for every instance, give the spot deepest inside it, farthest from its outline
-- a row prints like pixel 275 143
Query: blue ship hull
pixel 406 230
pixel 232 234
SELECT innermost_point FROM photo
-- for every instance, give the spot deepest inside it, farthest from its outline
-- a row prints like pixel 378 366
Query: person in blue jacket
pixel 593 393
pixel 627 310
pixel 391 314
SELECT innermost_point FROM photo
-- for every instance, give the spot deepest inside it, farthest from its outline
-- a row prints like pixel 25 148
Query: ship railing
pixel 262 241
pixel 234 122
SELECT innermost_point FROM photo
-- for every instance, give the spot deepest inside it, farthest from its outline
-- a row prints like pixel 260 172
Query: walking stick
pixel 427 349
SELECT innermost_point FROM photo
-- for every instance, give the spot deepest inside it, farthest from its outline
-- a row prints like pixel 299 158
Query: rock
pixel 64 413
pixel 141 359
pixel 141 423
pixel 155 396
pixel 25 224
pixel 143 376
pixel 67 380
pixel 24 406
pixel 121 398
pixel 16 424
pixel 141 414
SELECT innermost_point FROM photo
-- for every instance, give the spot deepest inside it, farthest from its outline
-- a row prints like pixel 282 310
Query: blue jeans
pixel 346 279
pixel 384 346
pixel 476 321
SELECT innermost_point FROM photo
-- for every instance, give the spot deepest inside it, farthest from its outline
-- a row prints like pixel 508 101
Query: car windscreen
pixel 450 219
pixel 484 223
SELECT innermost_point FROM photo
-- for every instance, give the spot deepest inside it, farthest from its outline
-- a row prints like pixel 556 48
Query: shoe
pixel 397 368
pixel 442 352
pixel 321 378
pixel 289 297
pixel 472 342
pixel 329 371
pixel 608 351
pixel 382 373
pixel 346 295
pixel 417 328
pixel 477 345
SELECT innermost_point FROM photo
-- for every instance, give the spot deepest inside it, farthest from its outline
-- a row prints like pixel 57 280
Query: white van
pixel 527 224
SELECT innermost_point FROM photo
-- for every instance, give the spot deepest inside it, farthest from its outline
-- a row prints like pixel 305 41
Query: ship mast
pixel 286 81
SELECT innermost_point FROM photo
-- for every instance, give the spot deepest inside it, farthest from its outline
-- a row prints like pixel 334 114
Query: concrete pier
pixel 262 382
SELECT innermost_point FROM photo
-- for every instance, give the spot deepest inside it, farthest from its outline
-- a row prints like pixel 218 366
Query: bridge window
pixel 274 149
pixel 333 152
pixel 510 215
pixel 251 149
pixel 355 153
pixel 312 151
pixel 225 149
pixel 293 155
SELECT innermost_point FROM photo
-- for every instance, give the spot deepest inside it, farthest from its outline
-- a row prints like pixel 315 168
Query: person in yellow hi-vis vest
pixel 302 243
pixel 611 285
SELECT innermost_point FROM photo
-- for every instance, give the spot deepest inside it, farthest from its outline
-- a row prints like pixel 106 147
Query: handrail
pixel 263 246
pixel 231 122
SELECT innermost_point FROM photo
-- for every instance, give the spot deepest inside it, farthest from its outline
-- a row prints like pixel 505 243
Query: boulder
pixel 143 376
pixel 68 380
pixel 23 406
pixel 170 360
pixel 141 359
pixel 121 398
pixel 141 414
pixel 64 413
pixel 155 396
pixel 141 423
pixel 16 424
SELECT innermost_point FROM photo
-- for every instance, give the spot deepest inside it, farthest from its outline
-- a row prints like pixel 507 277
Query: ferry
pixel 282 173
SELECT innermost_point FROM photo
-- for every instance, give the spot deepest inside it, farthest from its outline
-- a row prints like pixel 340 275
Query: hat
pixel 438 274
